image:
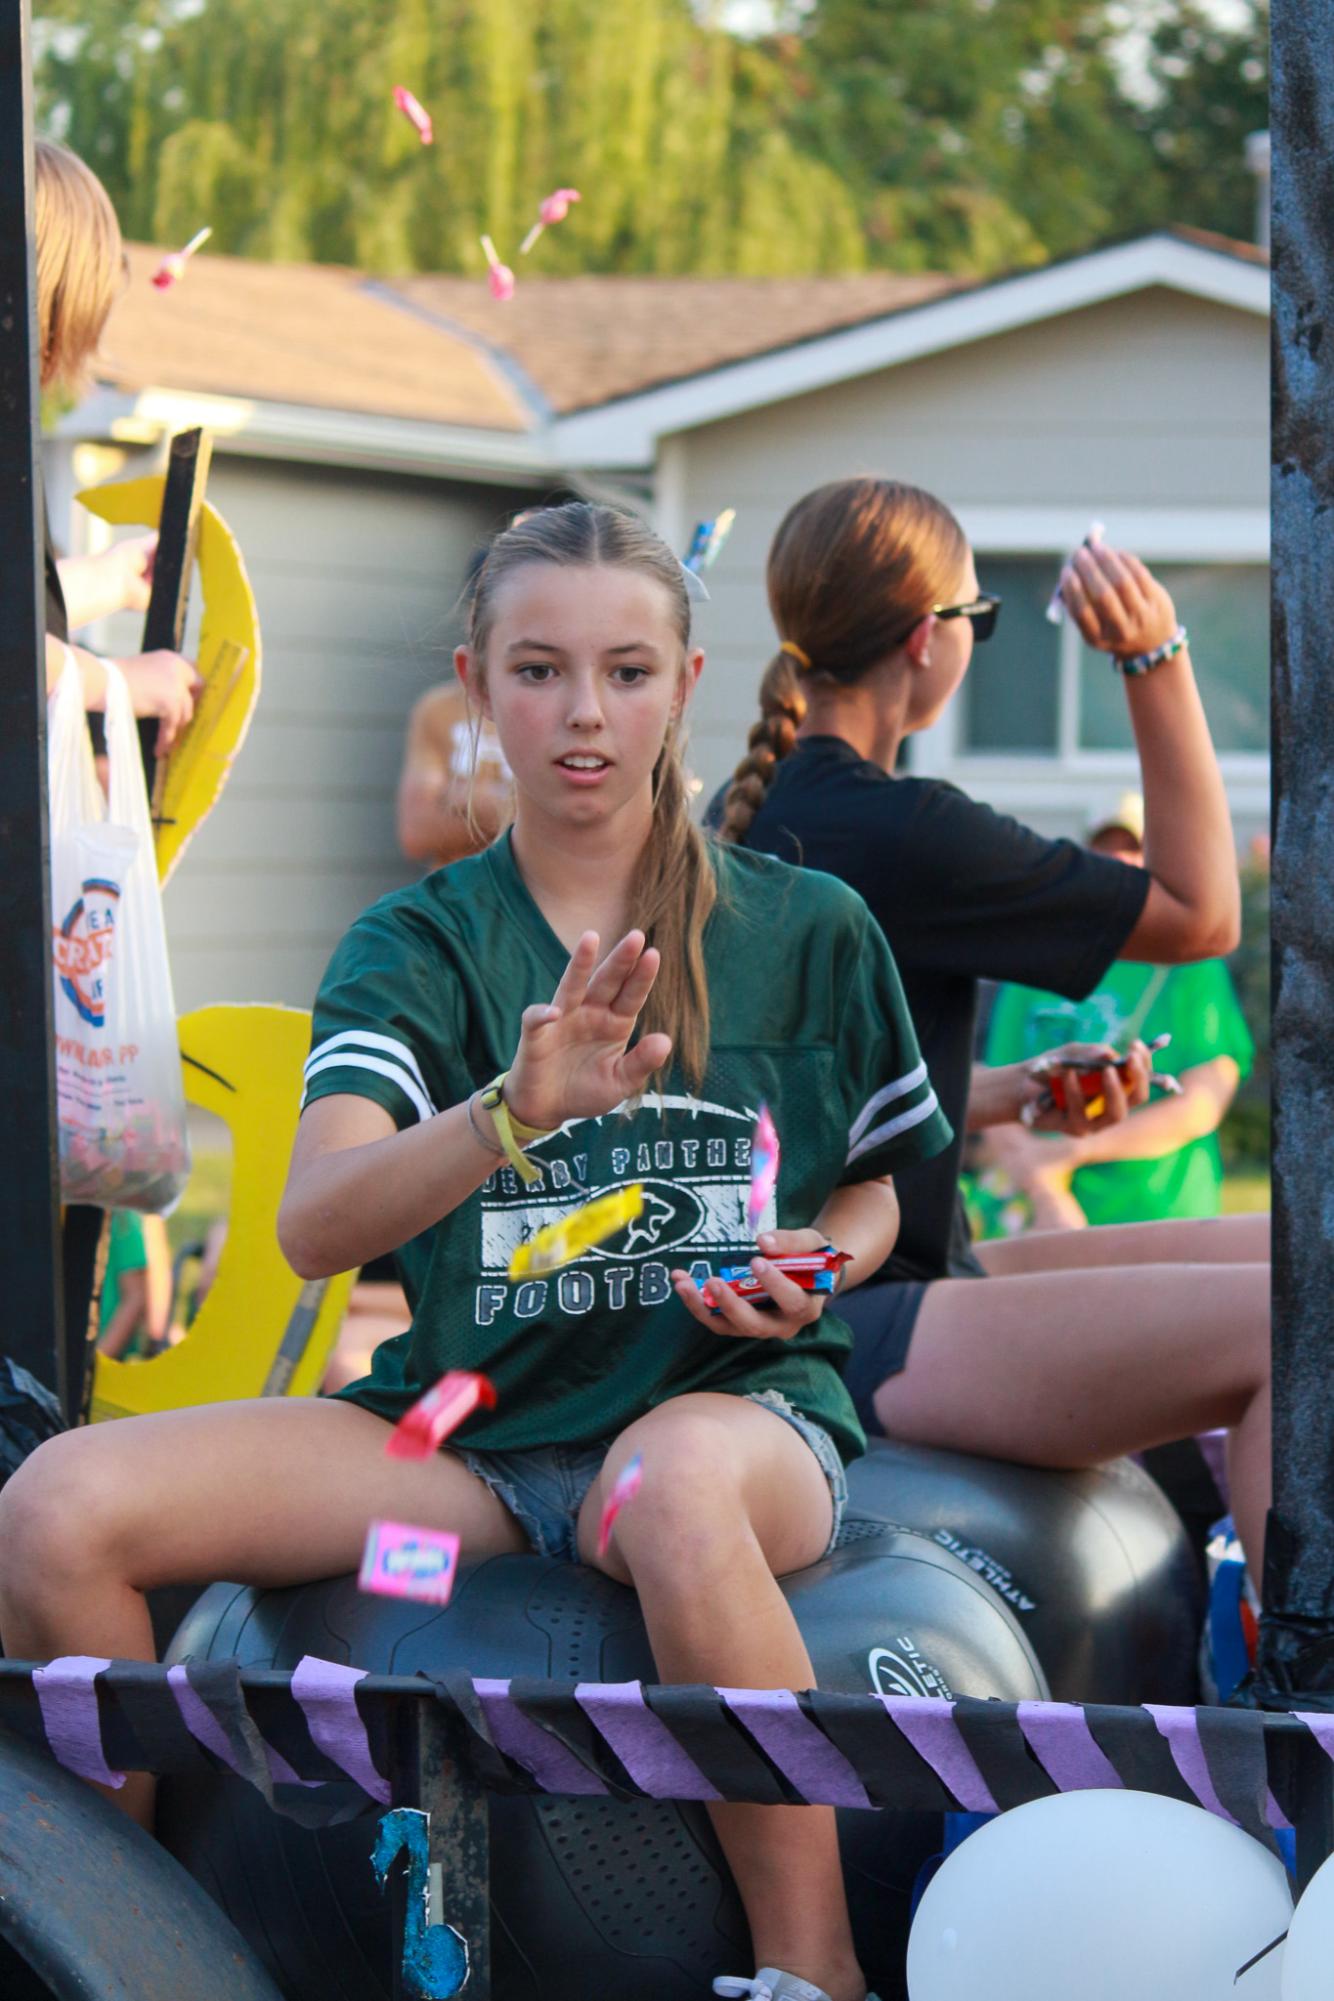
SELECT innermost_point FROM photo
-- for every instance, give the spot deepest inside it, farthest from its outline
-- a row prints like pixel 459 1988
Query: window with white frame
pixel 1034 689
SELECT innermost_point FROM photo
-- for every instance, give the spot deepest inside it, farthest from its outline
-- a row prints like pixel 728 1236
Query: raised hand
pixel 1118 605
pixel 573 1061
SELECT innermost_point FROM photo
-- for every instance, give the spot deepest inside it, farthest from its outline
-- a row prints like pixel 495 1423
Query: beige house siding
pixel 355 576
pixel 1152 406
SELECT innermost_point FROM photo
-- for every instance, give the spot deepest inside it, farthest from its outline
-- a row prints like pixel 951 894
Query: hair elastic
pixel 798 653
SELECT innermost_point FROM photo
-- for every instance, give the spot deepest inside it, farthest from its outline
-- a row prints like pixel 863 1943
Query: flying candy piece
pixel 173 267
pixel 707 541
pixel 415 113
pixel 400 1561
pixel 763 1170
pixel 1056 603
pixel 560 1243
pixel 440 1411
pixel 499 276
pixel 813 1271
pixel 628 1482
pixel 553 208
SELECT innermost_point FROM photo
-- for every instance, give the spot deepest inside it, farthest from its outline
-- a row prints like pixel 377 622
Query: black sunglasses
pixel 981 614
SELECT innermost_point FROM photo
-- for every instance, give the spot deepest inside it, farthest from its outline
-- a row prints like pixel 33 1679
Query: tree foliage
pixel 973 135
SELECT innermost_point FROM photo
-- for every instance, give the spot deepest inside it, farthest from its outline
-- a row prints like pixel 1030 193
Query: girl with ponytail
pixel 1083 1344
pixel 481 1065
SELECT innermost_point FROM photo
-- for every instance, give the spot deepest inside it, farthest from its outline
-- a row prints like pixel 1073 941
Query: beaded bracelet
pixel 1144 663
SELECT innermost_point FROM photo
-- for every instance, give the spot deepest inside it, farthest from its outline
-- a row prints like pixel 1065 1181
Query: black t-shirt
pixel 962 893
pixel 57 623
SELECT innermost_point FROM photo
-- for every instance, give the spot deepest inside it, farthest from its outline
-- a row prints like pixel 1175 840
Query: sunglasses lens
pixel 983 622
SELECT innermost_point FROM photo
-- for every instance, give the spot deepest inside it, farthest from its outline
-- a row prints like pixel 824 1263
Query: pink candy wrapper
pixel 431 1419
pixel 628 1482
pixel 415 113
pixel 498 276
pixel 405 1562
pixel 764 1151
pixel 552 208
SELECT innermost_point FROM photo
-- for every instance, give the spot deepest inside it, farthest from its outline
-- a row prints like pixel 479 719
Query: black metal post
pixel 30 1273
pixel 1297 1641
pixel 433 1771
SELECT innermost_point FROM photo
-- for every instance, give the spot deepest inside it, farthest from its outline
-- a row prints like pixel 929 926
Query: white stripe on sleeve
pixel 898 1089
pixel 892 1127
pixel 365 1038
pixel 353 1060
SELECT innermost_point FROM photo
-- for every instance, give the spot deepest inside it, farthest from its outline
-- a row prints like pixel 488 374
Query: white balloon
pixel 1309 1952
pixel 1107 1895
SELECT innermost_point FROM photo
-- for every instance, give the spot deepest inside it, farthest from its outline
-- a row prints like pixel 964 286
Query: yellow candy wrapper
pixel 561 1243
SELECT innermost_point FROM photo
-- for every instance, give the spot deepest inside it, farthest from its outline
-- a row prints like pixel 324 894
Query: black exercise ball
pixel 589 1897
pixel 1096 1566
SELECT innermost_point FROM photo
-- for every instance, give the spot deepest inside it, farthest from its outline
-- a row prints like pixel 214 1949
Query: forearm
pixel 995 1095
pixel 862 1219
pixel 90 589
pixel 345 1207
pixel 1154 1130
pixel 91 671
pixel 1188 841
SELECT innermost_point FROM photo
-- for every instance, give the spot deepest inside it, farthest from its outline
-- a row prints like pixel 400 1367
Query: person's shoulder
pixel 442 905
pixel 435 713
pixel 762 886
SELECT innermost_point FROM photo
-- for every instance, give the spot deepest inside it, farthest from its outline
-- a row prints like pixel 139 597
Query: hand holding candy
pixel 573 1061
pixel 628 1482
pixel 553 208
pixel 499 276
pixel 173 267
pixel 789 1307
pixel 415 114
pixel 1117 604
pixel 424 1428
pixel 1056 602
pixel 764 1152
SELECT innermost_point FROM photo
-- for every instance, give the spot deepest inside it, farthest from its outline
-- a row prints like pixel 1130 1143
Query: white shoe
pixel 771 1985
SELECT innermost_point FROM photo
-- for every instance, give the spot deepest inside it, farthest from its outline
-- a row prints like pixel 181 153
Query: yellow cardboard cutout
pixel 229 660
pixel 259 1331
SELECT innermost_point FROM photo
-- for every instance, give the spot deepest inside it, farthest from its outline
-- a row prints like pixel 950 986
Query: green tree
pixel 1210 91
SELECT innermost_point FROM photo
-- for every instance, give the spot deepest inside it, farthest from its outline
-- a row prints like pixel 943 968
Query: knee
pixel 56 1518
pixel 690 1508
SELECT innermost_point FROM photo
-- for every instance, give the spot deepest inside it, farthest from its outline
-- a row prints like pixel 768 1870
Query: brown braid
pixel 855 565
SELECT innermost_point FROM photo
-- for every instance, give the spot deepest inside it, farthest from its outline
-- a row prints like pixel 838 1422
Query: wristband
pixel 1144 663
pixel 512 1133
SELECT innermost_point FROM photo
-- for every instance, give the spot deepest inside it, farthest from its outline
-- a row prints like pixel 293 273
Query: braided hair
pixel 855 565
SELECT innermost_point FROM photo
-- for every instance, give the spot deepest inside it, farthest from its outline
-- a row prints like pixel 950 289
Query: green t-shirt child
pixel 1197 1006
pixel 421 1004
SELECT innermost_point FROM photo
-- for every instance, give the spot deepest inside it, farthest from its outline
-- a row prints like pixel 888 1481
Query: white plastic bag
pixel 123 1137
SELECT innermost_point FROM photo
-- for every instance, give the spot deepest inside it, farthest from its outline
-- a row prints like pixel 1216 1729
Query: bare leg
pixel 1072 1368
pixel 1177 1240
pixel 272 1492
pixel 731 1497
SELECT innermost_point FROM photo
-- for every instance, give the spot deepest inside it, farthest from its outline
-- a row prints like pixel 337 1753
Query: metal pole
pixel 1297 1638
pixel 433 1771
pixel 30 1273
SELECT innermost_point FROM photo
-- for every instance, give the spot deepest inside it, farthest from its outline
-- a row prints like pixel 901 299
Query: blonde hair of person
pixel 674 888
pixel 80 263
pixel 852 569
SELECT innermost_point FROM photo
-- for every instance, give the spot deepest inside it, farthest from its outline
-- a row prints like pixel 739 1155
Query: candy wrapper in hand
pixel 562 1242
pixel 1056 603
pixel 813 1271
pixel 443 1409
pixel 628 1482
pixel 400 1561
pixel 764 1152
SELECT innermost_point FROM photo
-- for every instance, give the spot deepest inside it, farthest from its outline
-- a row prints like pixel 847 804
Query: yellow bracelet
pixel 512 1133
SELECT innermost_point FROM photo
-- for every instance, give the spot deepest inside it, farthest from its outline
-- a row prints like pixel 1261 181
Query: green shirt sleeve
pixel 380 1027
pixel 1205 1019
pixel 893 1114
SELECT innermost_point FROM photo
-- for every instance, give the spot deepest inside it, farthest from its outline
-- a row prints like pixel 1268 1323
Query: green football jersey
pixel 421 1004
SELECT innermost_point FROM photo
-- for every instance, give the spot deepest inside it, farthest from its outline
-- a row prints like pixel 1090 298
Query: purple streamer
pixel 1274 1814
pixel 1321 1727
pixel 927 1721
pixel 803 1754
pixel 643 1743
pixel 204 1726
pixel 67 1693
pixel 1059 1736
pixel 555 1768
pixel 326 1692
pixel 1182 1732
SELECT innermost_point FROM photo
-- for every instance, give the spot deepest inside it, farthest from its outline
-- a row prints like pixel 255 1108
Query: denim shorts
pixel 544 1487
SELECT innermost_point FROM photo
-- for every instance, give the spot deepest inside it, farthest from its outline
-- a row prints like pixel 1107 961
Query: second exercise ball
pixel 1308 1955
pixel 1110 1895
